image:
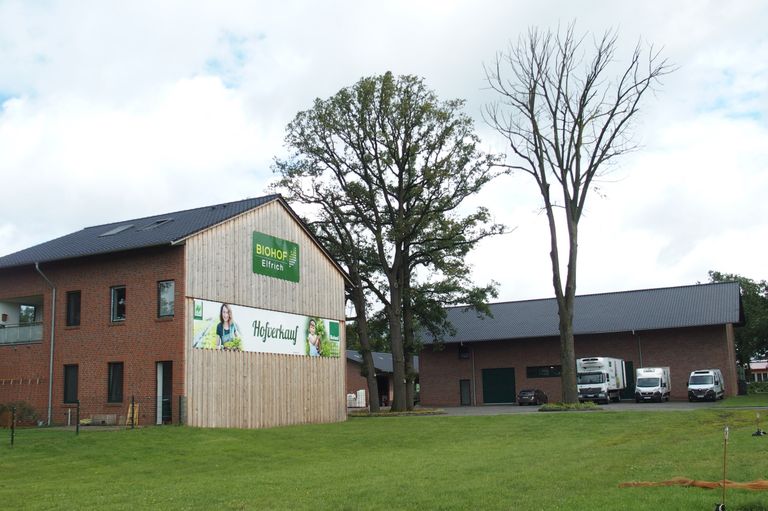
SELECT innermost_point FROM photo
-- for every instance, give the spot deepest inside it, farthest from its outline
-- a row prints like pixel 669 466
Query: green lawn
pixel 748 400
pixel 568 461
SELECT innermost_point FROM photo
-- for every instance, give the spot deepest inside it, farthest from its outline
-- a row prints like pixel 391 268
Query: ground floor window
pixel 70 383
pixel 760 376
pixel 543 371
pixel 115 382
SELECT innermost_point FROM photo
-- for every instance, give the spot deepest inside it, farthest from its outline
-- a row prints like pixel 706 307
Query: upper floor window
pixel 118 303
pixel 27 314
pixel 165 298
pixel 73 308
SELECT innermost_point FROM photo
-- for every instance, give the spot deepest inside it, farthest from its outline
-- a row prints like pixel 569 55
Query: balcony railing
pixel 21 333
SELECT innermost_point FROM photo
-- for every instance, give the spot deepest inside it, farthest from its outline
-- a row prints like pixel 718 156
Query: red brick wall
pixel 683 350
pixel 356 381
pixel 139 342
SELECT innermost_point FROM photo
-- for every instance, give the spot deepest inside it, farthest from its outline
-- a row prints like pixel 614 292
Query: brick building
pixel 490 358
pixel 382 362
pixel 135 310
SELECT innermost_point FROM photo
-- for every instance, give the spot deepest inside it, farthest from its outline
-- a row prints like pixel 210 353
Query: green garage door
pixel 499 385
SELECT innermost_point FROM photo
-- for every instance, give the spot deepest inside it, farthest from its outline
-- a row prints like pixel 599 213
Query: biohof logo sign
pixel 275 257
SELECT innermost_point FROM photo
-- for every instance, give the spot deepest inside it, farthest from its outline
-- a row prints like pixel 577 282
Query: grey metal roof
pixel 381 361
pixel 132 234
pixel 647 309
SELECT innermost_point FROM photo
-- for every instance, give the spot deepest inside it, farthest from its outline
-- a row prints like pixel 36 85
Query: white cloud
pixel 112 111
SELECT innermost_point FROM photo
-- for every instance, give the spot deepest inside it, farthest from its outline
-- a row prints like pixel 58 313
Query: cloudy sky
pixel 115 110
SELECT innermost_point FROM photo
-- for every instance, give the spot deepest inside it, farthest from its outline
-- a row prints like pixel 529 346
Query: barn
pixel 490 358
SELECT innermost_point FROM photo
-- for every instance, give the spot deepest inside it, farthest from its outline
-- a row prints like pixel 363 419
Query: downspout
pixel 639 348
pixel 474 389
pixel 53 324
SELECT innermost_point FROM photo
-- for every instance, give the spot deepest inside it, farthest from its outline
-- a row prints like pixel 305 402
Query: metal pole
pixel 53 328
pixel 13 424
pixel 77 425
pixel 180 421
pixel 725 450
pixel 133 410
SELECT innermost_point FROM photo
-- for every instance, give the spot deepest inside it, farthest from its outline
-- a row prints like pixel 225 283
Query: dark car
pixel 531 397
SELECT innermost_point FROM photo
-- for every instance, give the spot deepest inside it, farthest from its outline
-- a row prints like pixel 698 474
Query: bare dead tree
pixel 566 120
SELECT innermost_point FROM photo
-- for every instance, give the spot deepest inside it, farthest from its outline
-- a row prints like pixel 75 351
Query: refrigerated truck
pixel 706 384
pixel 652 384
pixel 600 379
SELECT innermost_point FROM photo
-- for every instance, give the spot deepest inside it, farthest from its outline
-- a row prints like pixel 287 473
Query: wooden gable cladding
pixel 219 267
pixel 254 389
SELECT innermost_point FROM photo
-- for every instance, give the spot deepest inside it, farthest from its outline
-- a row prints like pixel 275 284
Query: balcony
pixel 21 320
pixel 21 333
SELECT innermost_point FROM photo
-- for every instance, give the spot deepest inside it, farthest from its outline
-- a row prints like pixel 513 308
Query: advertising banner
pixel 275 257
pixel 221 326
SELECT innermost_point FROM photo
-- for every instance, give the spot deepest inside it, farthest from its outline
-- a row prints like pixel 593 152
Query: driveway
pixel 624 406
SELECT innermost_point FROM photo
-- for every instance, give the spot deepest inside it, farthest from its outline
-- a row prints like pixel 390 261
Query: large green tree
pixel 566 119
pixel 396 163
pixel 752 338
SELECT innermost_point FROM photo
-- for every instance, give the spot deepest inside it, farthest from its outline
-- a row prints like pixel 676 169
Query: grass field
pixel 549 461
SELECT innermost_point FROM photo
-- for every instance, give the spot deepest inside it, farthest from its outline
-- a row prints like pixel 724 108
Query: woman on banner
pixel 227 332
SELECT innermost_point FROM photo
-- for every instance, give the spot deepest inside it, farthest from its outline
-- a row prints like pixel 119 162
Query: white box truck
pixel 706 384
pixel 652 384
pixel 600 379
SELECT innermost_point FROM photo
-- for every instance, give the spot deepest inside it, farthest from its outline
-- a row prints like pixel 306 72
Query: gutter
pixel 53 325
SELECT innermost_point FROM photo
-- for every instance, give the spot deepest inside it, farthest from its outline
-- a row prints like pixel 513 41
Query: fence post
pixel 13 424
pixel 133 410
pixel 77 419
pixel 181 421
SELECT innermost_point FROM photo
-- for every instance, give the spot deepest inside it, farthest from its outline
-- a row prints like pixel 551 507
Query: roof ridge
pixel 210 206
pixel 603 293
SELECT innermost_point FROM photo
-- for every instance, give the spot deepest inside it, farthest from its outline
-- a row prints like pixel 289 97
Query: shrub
pixel 25 414
pixel 569 407
pixel 757 387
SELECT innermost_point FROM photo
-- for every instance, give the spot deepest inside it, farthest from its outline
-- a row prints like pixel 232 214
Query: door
pixel 499 385
pixel 465 393
pixel 629 391
pixel 164 414
pixel 382 382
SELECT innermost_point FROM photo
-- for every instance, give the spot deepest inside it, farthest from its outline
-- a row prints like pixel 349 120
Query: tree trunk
pixel 369 370
pixel 567 354
pixel 409 342
pixel 410 382
pixel 394 314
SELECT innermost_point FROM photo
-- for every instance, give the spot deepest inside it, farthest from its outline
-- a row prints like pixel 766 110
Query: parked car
pixel 531 397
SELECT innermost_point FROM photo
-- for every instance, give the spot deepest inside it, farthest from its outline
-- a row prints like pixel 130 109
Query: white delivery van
pixel 706 384
pixel 652 384
pixel 600 379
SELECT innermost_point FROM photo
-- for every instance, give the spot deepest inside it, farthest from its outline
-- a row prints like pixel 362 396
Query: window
pixel 118 303
pixel 70 383
pixel 73 308
pixel 543 371
pixel 115 382
pixel 116 230
pixel 165 298
pixel 156 223
pixel 27 314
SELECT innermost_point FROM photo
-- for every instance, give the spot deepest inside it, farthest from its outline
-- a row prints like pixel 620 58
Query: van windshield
pixel 589 378
pixel 647 382
pixel 701 379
